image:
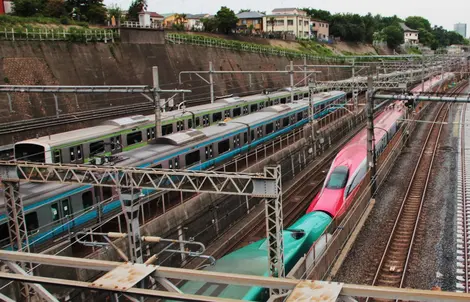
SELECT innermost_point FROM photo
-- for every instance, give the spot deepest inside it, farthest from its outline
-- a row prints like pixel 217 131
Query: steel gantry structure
pixel 150 93
pixel 113 282
pixel 267 186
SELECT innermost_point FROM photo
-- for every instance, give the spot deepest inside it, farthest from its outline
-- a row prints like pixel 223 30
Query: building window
pixel 300 22
pixel 290 22
pixel 306 23
pixel 279 23
pixel 244 21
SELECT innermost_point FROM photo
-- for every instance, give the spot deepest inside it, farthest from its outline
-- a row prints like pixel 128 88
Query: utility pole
pixel 211 81
pixel 156 98
pixel 291 75
pixel 370 130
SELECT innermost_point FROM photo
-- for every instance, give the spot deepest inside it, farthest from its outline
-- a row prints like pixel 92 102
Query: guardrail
pixel 73 35
pixel 133 24
pixel 245 46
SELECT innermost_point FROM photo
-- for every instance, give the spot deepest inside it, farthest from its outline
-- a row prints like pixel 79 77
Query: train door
pixel 75 154
pixel 278 125
pixel 115 143
pixel 150 133
pixel 245 110
pixel 174 163
pixel 205 120
pixel 179 126
pixel 209 153
pixel 261 105
pixel 236 141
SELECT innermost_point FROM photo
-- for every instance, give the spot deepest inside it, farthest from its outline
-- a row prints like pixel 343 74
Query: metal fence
pixel 244 46
pixel 88 35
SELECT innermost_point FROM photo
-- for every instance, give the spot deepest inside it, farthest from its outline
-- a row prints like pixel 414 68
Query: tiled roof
pixel 406 28
pixel 250 15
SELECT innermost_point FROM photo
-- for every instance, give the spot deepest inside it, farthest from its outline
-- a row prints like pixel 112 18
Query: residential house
pixel 248 19
pixel 6 7
pixel 193 22
pixel 156 19
pixel 169 20
pixel 455 49
pixel 320 29
pixel 411 35
pixel 288 20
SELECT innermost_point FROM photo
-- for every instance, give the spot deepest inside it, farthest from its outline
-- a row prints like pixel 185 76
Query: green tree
pixel 393 35
pixel 318 14
pixel 271 21
pixel 210 24
pixel 227 20
pixel 54 8
pixel 93 11
pixel 416 22
pixel 244 10
pixel 27 8
pixel 114 11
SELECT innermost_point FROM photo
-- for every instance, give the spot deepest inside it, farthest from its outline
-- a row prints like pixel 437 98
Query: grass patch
pixel 9 21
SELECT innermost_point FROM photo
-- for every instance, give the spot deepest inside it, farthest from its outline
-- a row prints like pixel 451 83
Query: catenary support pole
pixel 156 97
pixel 370 131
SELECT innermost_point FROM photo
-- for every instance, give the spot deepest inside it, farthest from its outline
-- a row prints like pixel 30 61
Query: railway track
pixel 45 122
pixel 393 265
pixel 463 206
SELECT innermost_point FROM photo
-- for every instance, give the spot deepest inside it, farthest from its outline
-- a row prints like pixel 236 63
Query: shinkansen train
pixel 128 133
pixel 51 209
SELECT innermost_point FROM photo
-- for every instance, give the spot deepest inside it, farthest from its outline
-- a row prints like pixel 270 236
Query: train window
pixel 357 179
pixel 270 102
pixel 87 200
pixel 208 151
pixel 66 207
pixel 299 116
pixel 167 129
pixel 79 152
pixel 306 95
pixel 57 156
pixel 192 158
pixel 32 222
pixel 96 148
pixel 4 233
pixel 190 123
pixel 151 133
pixel 177 162
pixel 261 105
pixel 283 100
pixel 224 146
pixel 72 154
pixel 236 141
pixel 245 109
pixel 107 192
pixel 338 178
pixel 285 122
pixel 254 107
pixel 198 122
pixel 205 120
pixel 227 113
pixel 292 119
pixel 134 138
pixel 305 113
pixel 276 101
pixel 269 128
pixel 253 137
pixel 216 117
pixel 55 212
pixel 237 112
pixel 245 137
pixel 296 97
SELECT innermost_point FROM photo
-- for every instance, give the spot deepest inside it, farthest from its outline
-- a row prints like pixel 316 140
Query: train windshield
pixel 30 152
pixel 338 178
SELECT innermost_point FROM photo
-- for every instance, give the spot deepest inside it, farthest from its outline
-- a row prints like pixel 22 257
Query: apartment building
pixel 288 20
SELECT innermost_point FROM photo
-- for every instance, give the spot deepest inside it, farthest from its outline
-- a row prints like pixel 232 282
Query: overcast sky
pixel 441 13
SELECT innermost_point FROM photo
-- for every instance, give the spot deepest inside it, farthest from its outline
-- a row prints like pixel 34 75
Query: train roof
pixel 165 146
